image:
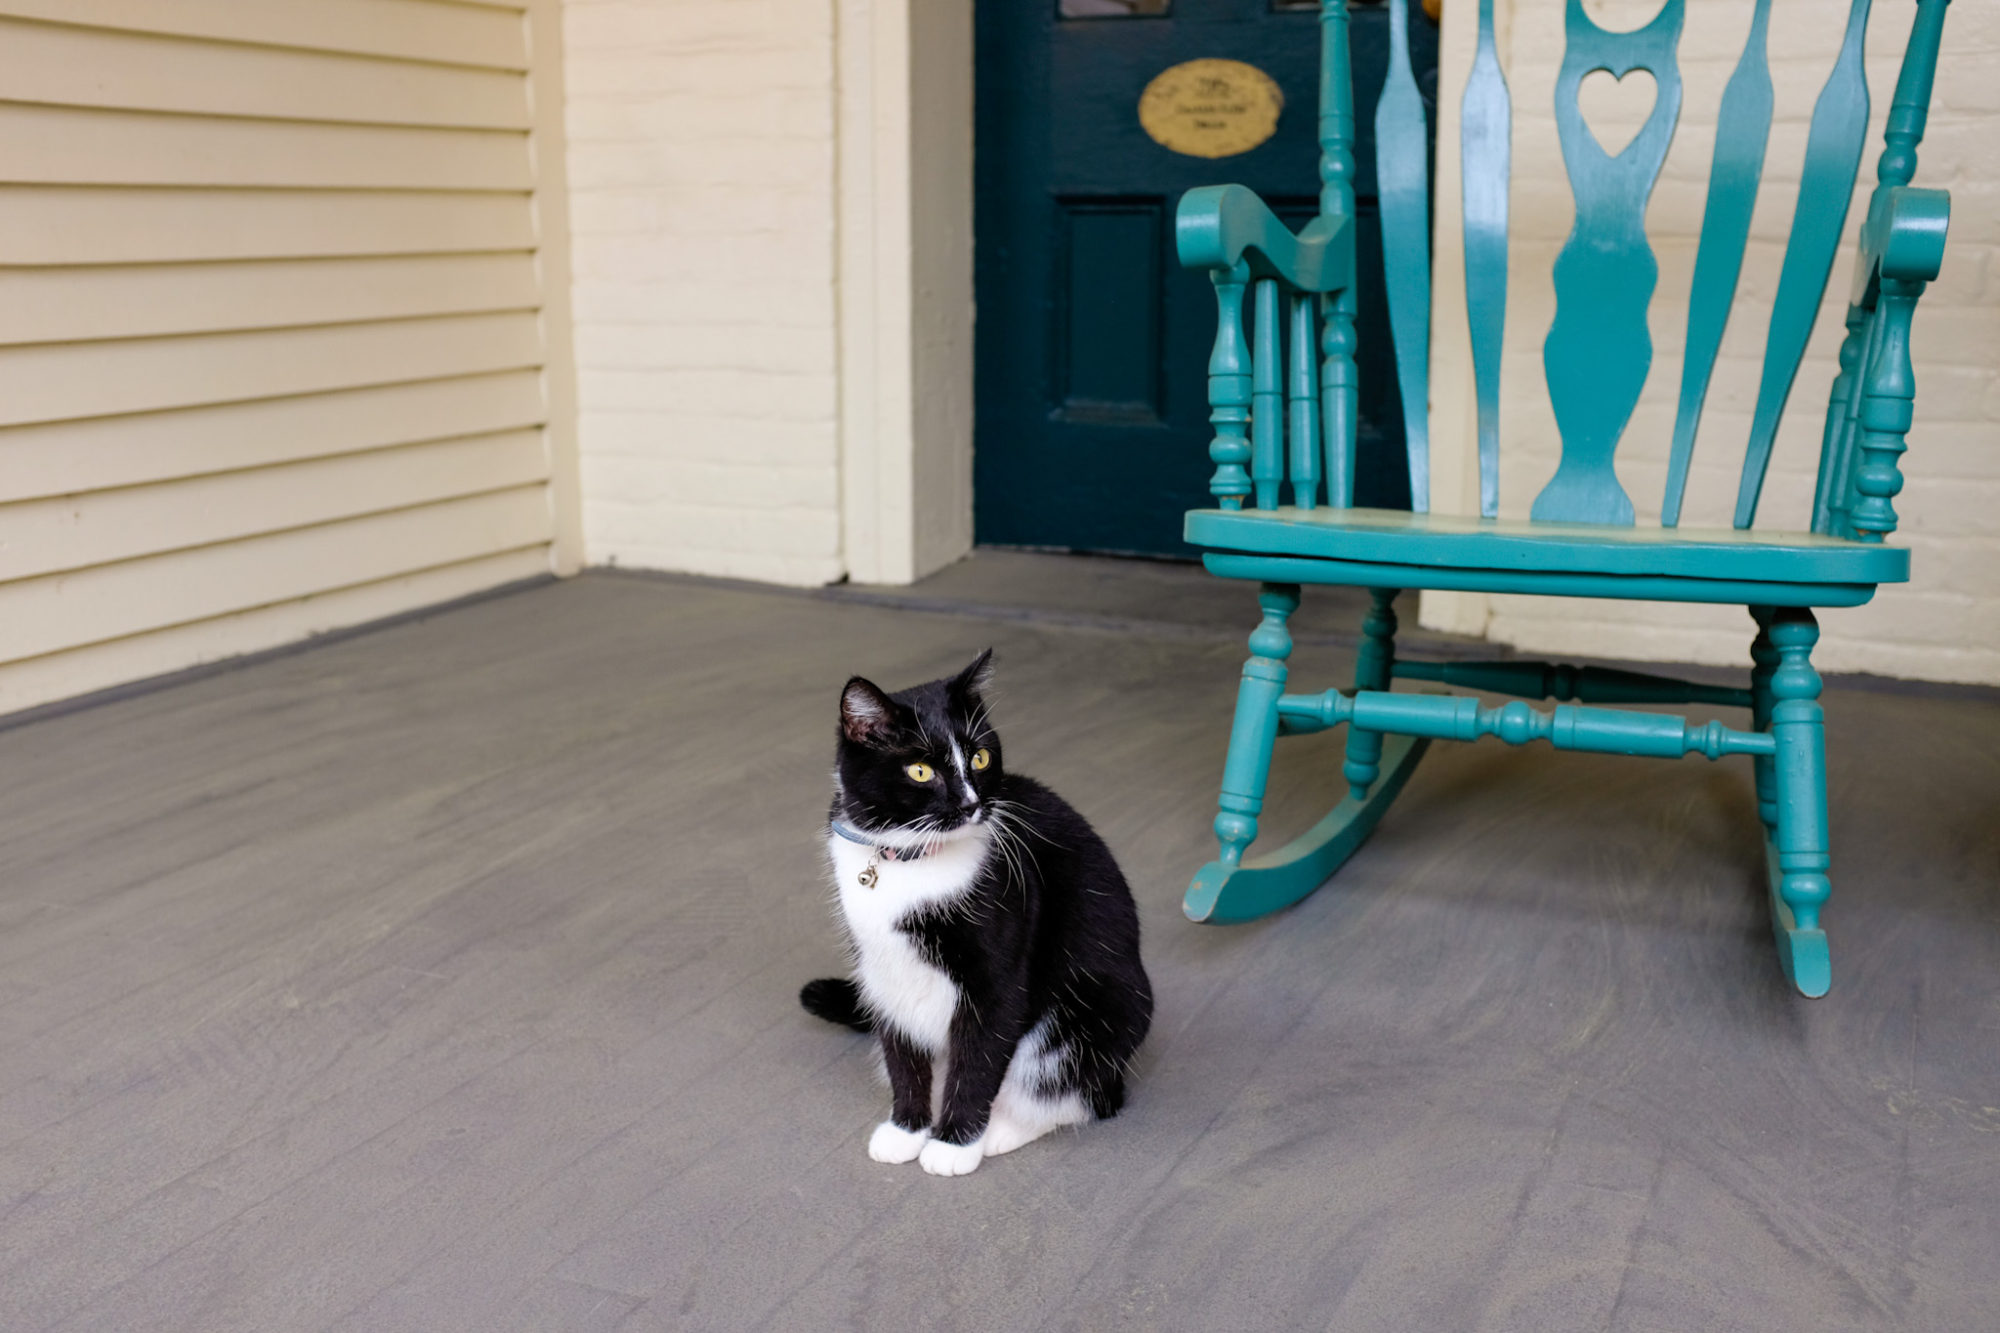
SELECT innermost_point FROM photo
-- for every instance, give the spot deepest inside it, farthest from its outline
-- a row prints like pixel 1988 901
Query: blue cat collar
pixel 885 852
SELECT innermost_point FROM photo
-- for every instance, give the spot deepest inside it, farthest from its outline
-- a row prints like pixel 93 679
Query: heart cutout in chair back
pixel 1615 110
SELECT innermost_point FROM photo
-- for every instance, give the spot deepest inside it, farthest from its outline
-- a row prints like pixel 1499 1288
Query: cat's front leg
pixel 903 1135
pixel 979 1059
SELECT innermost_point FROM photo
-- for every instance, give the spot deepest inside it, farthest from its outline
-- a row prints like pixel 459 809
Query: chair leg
pixel 1231 889
pixel 1256 728
pixel 1373 668
pixel 1797 861
pixel 1764 659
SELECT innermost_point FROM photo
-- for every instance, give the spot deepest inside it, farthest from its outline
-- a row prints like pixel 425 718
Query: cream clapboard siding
pixel 283 323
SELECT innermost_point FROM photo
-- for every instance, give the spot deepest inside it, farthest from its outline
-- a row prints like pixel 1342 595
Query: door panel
pixel 1108 357
pixel 1091 427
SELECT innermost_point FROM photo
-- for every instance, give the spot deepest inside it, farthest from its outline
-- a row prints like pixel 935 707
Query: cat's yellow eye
pixel 980 760
pixel 919 772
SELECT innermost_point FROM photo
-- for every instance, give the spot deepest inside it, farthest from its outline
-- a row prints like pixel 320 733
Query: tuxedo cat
pixel 996 945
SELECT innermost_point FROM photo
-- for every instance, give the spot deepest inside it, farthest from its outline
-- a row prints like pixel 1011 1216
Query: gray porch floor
pixel 443 978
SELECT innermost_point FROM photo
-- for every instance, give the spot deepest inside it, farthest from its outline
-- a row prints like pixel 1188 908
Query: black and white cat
pixel 996 945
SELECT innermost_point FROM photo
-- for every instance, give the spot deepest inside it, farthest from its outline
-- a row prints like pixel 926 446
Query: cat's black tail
pixel 837 1000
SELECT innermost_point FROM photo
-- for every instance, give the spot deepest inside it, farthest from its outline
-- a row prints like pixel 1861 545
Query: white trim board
pixel 904 102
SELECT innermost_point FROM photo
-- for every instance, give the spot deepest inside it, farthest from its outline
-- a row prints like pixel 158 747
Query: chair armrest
pixel 1218 226
pixel 1903 239
pixel 1902 248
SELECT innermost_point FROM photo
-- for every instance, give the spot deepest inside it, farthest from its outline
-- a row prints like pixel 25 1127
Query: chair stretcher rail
pixel 1591 685
pixel 1567 726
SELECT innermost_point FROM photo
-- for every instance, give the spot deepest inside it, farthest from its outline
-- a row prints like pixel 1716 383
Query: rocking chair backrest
pixel 1598 351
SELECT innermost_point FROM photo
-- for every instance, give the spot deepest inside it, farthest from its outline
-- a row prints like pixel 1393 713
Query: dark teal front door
pixel 1091 421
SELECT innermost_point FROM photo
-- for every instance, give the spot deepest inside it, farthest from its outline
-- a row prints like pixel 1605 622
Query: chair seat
pixel 1392 548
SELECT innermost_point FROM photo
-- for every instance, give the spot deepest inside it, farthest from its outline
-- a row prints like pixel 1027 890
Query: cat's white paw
pixel 1020 1118
pixel 951 1159
pixel 892 1143
pixel 1004 1135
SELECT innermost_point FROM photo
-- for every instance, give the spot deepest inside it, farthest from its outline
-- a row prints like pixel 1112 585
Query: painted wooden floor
pixel 442 978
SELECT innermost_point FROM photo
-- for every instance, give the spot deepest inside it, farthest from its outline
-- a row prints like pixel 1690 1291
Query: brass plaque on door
pixel 1211 108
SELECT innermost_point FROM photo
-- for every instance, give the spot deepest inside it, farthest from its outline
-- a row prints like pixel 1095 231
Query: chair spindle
pixel 1304 405
pixel 1267 416
pixel 1888 402
pixel 1909 107
pixel 1743 129
pixel 1402 178
pixel 1485 149
pixel 1339 385
pixel 1229 390
pixel 1833 157
pixel 1843 407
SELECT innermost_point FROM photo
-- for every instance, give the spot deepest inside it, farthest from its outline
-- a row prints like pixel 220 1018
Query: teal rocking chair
pixel 1283 402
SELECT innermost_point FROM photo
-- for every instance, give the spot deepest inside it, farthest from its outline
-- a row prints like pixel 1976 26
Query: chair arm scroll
pixel 1218 226
pixel 1903 239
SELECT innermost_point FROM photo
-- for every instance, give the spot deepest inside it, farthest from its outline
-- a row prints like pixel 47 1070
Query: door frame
pixel 903 291
pixel 904 302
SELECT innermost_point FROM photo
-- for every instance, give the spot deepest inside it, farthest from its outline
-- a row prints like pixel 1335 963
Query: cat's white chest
pixel 899 985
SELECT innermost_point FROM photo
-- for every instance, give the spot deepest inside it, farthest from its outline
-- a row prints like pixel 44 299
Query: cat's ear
pixel 867 715
pixel 975 678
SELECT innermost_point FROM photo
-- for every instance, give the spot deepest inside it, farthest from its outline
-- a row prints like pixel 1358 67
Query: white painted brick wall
pixel 702 209
pixel 1945 625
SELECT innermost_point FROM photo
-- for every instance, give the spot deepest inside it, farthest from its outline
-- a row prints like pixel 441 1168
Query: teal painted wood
pixel 1485 136
pixel 1902 248
pixel 1403 188
pixel 1840 469
pixel 1220 226
pixel 1303 346
pixel 1337 393
pixel 1802 954
pixel 1267 418
pixel 1763 662
pixel 1903 238
pixel 1902 245
pixel 1843 405
pixel 1339 385
pixel 1799 768
pixel 1229 390
pixel 1566 726
pixel 1598 350
pixel 1580 541
pixel 1743 127
pixel 1888 394
pixel 1256 726
pixel 1221 894
pixel 1587 684
pixel 1631 587
pixel 1833 157
pixel 1909 107
pixel 1449 540
pixel 1787 750
pixel 1374 665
